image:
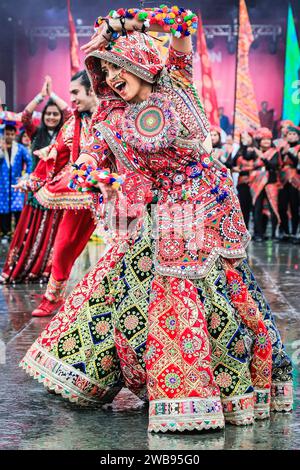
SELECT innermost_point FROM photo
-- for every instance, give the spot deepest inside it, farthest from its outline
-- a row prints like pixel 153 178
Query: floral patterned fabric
pixel 208 351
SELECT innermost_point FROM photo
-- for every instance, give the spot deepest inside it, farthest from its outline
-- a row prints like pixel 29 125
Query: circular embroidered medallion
pixel 150 121
pixel 151 125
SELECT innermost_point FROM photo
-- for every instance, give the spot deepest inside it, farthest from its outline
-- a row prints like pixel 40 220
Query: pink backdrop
pixel 266 69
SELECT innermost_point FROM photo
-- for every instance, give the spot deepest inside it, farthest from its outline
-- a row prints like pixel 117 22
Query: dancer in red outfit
pixel 30 253
pixel 50 185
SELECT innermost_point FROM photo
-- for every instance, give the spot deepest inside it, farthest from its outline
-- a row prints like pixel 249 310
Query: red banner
pixel 74 46
pixel 209 95
pixel 246 111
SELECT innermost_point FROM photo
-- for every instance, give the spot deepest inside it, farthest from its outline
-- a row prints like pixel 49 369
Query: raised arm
pixel 46 91
pixel 60 103
pixel 180 23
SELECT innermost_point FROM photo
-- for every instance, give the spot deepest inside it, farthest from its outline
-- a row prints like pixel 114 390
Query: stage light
pixel 52 42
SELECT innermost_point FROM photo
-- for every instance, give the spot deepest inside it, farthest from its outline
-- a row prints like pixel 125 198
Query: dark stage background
pixel 25 58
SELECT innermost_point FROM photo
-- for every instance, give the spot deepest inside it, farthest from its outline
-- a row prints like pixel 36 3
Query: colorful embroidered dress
pixel 174 153
pixel 203 327
pixel 288 163
pixel 265 177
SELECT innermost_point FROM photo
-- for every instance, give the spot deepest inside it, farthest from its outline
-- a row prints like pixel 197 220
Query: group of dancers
pixel 268 179
pixel 172 310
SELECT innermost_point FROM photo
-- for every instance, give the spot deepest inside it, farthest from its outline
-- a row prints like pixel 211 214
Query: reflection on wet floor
pixel 31 418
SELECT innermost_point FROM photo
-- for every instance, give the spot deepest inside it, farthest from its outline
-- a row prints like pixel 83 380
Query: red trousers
pixel 72 237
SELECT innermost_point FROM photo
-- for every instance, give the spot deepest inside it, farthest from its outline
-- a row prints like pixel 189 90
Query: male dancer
pixel 50 181
pixel 80 219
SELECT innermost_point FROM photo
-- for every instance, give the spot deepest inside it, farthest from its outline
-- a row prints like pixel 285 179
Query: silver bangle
pixel 38 98
pixel 53 96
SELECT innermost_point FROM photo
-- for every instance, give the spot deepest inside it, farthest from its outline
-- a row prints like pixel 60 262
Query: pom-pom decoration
pixel 86 177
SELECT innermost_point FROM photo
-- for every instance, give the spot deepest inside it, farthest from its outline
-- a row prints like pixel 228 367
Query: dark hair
pixel 84 79
pixel 253 143
pixel 219 144
pixel 258 141
pixel 10 127
pixel 42 137
pixel 21 135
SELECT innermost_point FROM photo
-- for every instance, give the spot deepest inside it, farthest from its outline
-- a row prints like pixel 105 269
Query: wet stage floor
pixel 31 418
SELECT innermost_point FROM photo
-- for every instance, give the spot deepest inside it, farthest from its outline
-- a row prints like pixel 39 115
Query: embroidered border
pixel 185 414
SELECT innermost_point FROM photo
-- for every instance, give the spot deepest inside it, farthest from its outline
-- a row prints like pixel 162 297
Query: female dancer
pixel 221 152
pixel 29 255
pixel 290 179
pixel 244 163
pixel 264 184
pixel 196 291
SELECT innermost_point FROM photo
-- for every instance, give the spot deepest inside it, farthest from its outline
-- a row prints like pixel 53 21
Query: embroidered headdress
pixel 263 133
pixel 135 52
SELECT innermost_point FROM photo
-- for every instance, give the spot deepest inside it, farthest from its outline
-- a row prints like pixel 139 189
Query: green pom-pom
pixel 188 17
pixel 143 15
pixel 171 21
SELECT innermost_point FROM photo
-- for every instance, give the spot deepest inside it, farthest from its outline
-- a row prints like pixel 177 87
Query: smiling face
pixel 128 86
pixel 52 117
pixel 265 144
pixel 81 98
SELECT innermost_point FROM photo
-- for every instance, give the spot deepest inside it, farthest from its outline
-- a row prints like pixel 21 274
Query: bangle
pixel 123 29
pixel 85 177
pixel 53 96
pixel 177 21
pixel 38 98
pixel 114 34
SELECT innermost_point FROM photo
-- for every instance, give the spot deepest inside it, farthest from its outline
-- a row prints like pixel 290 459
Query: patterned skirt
pixel 30 253
pixel 198 350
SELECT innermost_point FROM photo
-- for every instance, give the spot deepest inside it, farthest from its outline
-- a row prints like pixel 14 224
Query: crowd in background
pixel 265 166
pixel 266 173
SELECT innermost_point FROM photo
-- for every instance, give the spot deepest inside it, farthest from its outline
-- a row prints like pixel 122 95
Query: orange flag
pixel 246 111
pixel 209 95
pixel 74 46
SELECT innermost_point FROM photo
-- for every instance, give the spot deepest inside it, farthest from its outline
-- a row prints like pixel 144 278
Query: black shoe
pixel 295 240
pixel 258 239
